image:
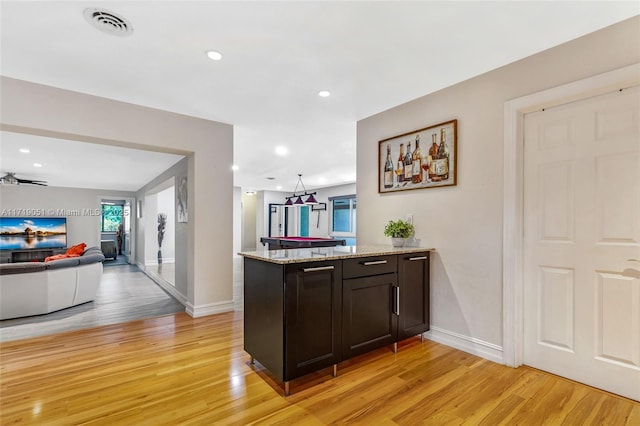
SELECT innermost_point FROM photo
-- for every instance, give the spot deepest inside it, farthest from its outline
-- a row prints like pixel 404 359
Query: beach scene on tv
pixel 32 233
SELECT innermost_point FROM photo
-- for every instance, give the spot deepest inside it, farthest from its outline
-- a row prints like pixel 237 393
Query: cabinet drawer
pixel 367 266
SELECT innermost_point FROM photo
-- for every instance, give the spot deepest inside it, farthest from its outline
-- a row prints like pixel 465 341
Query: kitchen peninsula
pixel 309 309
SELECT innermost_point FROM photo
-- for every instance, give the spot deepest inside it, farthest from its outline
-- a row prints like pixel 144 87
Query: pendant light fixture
pixel 310 199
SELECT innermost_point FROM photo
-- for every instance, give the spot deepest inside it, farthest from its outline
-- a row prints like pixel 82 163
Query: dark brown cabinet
pixel 413 279
pixel 369 291
pixel 313 319
pixel 292 315
pixel 302 317
pixel 386 303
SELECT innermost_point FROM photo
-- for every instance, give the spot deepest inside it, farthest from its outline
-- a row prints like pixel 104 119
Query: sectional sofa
pixel 35 288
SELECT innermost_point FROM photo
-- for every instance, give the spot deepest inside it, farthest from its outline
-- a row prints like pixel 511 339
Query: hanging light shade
pixel 311 200
pixel 299 201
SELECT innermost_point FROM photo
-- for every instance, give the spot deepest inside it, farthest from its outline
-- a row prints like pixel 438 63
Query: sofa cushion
pixel 63 263
pixel 92 249
pixel 93 257
pixel 21 267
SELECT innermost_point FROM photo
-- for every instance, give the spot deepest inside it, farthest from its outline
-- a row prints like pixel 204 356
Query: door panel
pixel 313 302
pixel 413 279
pixel 617 339
pixel 581 225
pixel 368 318
pixel 556 312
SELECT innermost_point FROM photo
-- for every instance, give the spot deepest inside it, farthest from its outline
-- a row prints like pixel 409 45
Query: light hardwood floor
pixel 124 294
pixel 176 370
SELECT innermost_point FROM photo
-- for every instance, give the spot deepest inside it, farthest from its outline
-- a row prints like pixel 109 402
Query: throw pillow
pixel 77 249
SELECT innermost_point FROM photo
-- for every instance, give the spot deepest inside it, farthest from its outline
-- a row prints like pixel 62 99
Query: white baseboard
pixel 468 344
pixel 154 262
pixel 193 311
pixel 164 284
pixel 210 308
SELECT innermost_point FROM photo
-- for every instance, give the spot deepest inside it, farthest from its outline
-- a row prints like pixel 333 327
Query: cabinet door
pixel 369 321
pixel 313 302
pixel 413 280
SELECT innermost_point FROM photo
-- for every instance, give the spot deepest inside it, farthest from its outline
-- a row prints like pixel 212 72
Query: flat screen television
pixel 25 233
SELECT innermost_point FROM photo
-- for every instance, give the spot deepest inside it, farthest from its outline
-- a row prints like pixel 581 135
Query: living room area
pixel 140 273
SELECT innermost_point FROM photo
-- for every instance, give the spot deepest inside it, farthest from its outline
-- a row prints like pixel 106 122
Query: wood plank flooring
pixel 124 294
pixel 176 370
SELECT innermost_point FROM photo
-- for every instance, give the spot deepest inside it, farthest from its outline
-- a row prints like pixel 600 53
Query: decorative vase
pixel 397 242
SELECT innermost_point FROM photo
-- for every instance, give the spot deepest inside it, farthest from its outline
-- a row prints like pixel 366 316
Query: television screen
pixel 24 233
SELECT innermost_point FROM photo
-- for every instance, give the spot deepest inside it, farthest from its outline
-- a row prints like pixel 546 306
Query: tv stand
pixel 31 255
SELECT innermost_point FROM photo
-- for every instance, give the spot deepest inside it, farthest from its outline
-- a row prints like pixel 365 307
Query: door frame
pixel 513 192
pixel 132 240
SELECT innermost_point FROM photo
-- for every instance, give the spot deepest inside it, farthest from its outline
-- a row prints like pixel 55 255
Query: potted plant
pixel 399 231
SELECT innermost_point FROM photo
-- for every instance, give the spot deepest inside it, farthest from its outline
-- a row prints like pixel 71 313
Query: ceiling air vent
pixel 108 22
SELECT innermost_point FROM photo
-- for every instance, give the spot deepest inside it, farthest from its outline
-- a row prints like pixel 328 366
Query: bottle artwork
pixel 416 158
pixel 406 166
pixel 400 167
pixel 441 160
pixel 388 169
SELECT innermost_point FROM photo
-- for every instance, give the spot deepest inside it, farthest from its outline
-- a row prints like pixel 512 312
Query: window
pixel 111 217
pixel 304 221
pixel 343 215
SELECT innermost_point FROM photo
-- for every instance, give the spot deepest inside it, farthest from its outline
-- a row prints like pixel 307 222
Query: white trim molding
pixel 163 284
pixel 468 344
pixel 512 243
pixel 210 308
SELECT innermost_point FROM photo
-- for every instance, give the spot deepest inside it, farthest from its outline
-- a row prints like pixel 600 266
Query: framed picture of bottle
pixel 424 158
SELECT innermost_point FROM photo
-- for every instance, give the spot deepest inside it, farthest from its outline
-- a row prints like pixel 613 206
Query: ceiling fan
pixel 11 179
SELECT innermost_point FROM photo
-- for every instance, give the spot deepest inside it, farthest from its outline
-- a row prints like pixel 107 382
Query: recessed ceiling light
pixel 279 187
pixel 281 150
pixel 24 150
pixel 324 93
pixel 213 55
pixel 37 165
pixel 235 167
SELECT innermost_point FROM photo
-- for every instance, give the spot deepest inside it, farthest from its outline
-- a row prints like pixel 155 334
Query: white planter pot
pixel 398 242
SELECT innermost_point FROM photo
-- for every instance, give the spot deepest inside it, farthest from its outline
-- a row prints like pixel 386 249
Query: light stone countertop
pixel 318 254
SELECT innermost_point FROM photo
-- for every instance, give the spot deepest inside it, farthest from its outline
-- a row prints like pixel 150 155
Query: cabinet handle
pixel 418 258
pixel 375 262
pixel 397 301
pixel 319 268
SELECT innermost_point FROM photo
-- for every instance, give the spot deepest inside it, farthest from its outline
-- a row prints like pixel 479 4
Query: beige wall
pixel 173 175
pixel 37 109
pixel 465 222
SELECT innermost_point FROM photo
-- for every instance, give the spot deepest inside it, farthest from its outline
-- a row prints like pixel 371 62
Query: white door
pixel 581 227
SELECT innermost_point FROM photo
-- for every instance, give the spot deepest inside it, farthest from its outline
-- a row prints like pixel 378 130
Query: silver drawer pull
pixel 418 258
pixel 375 262
pixel 319 268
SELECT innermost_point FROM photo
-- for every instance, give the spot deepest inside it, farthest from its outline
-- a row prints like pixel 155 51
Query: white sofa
pixel 36 288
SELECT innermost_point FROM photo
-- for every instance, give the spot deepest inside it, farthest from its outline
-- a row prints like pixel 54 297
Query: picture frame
pixel 433 165
pixel 318 207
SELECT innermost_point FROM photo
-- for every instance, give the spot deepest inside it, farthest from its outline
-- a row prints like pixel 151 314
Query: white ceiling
pixel 372 56
pixel 78 164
